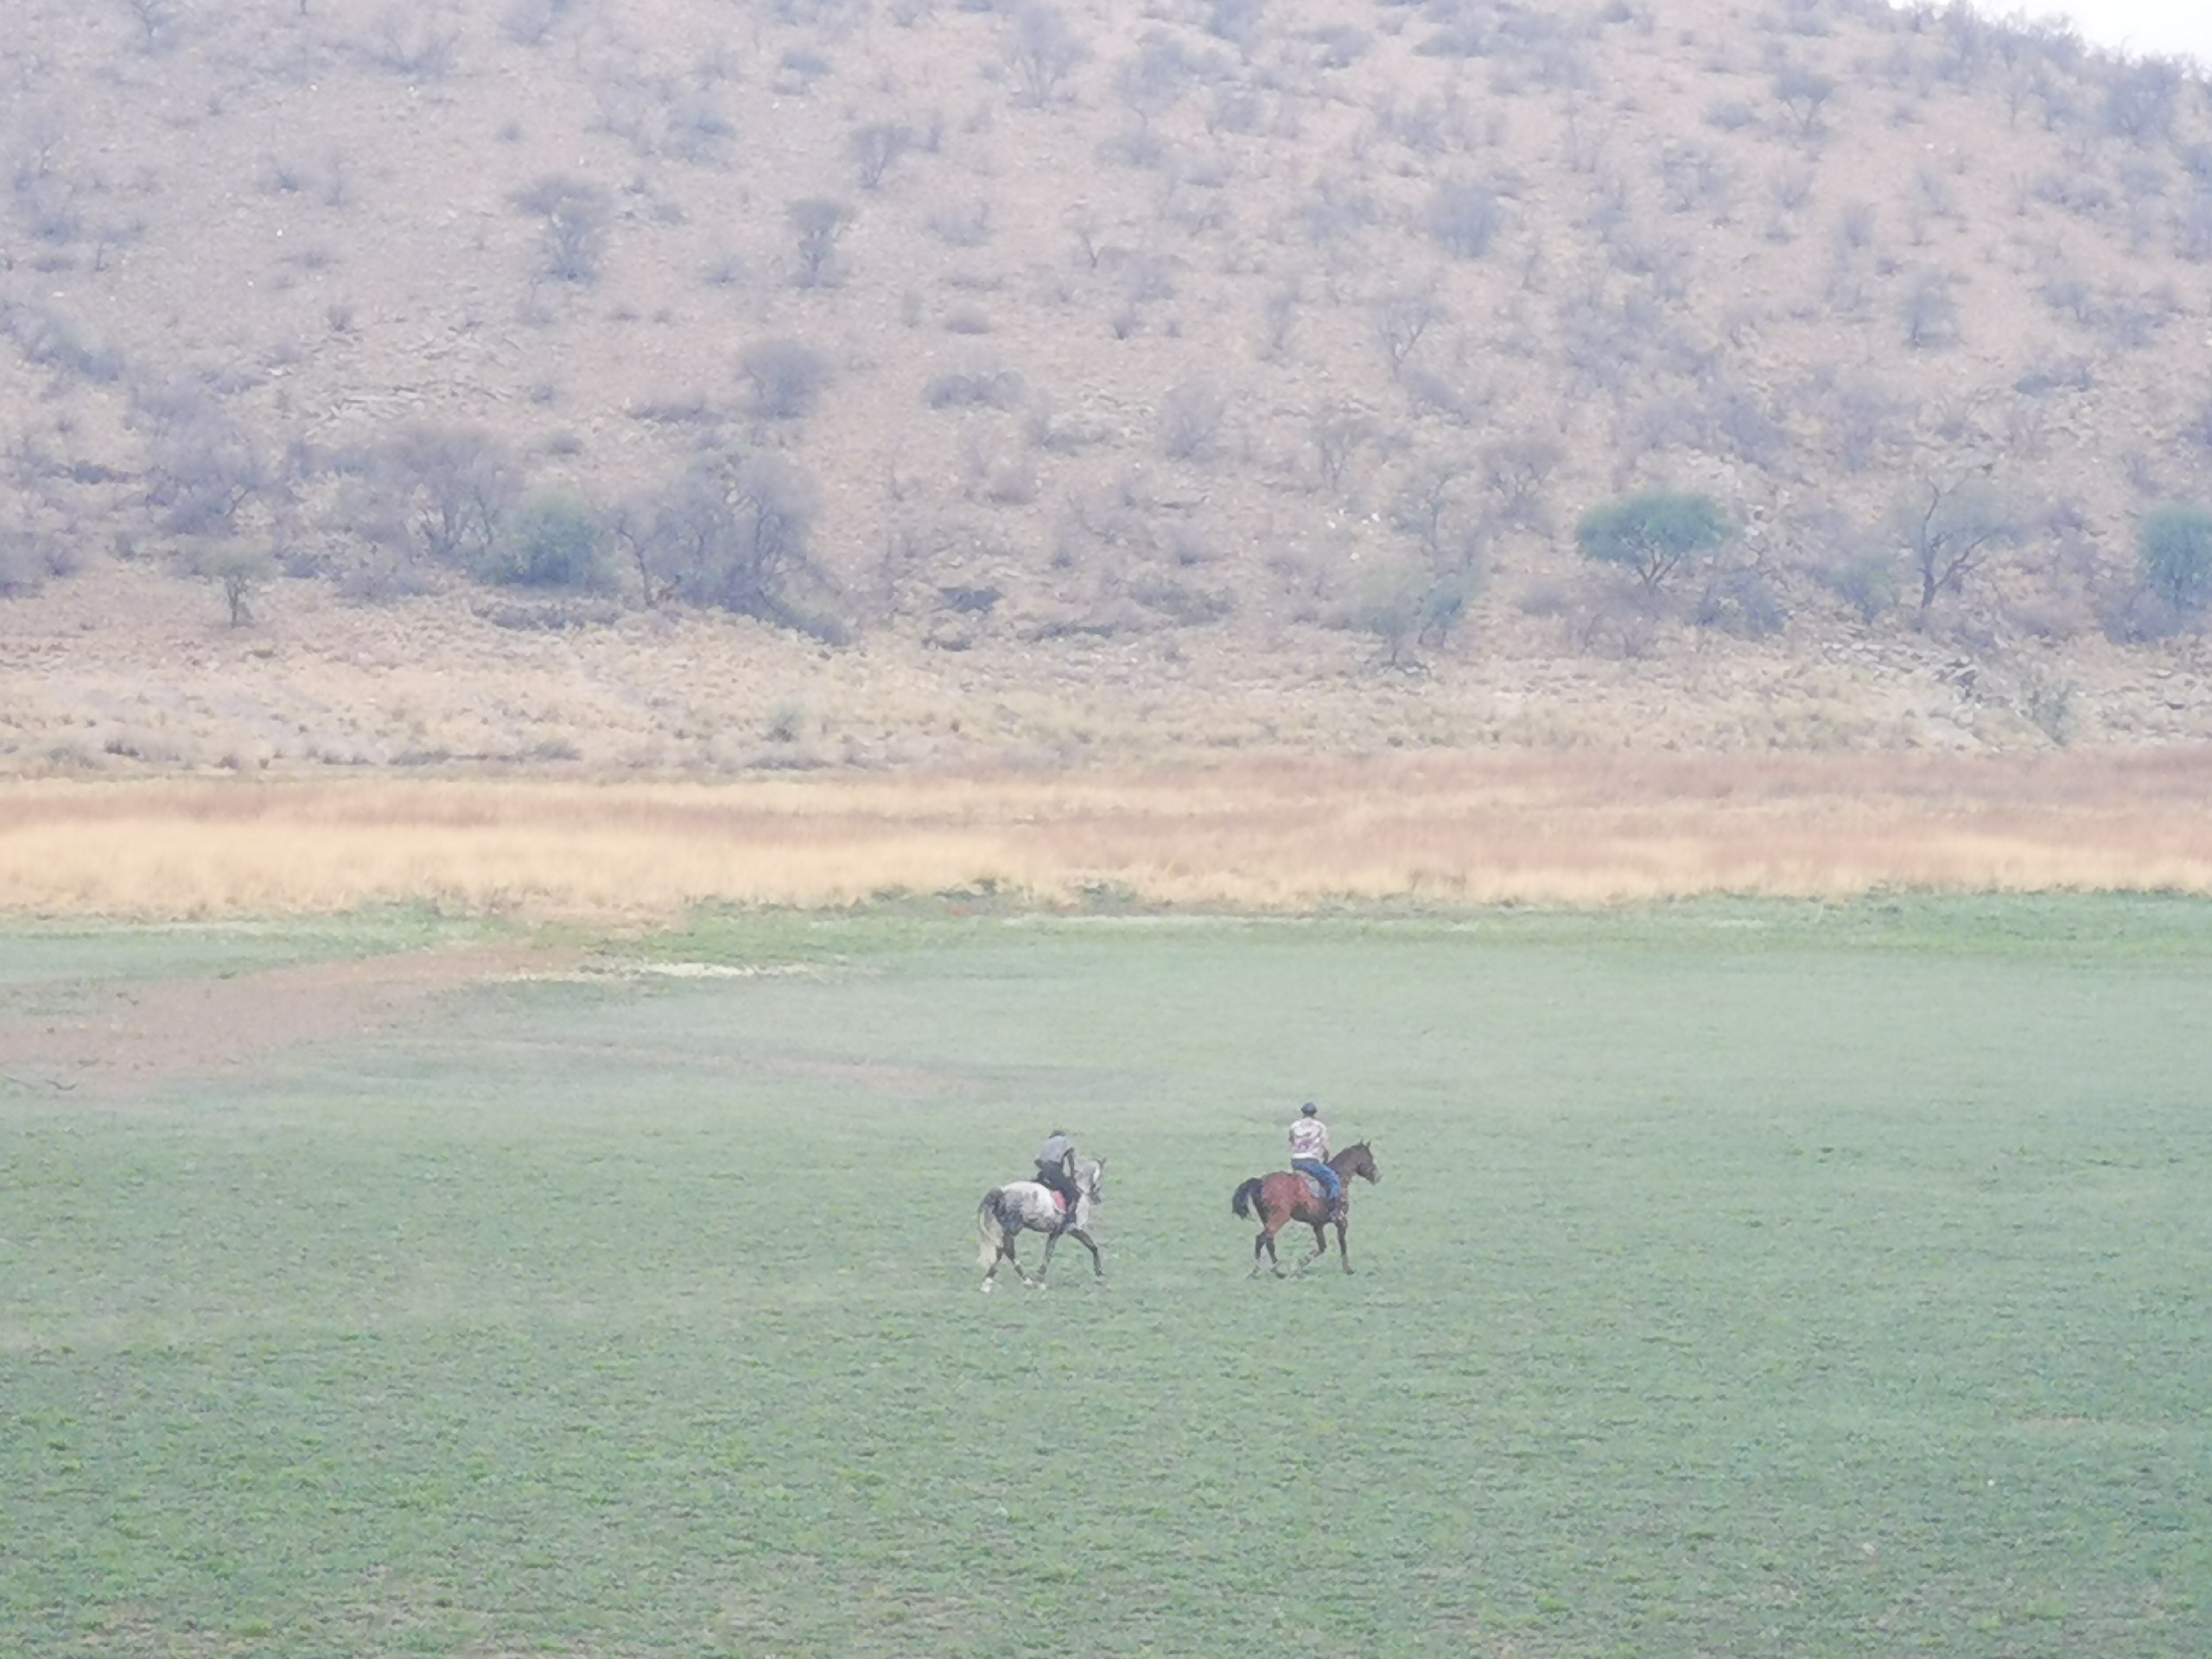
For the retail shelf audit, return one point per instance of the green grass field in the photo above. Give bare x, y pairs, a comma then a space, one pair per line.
1746, 1279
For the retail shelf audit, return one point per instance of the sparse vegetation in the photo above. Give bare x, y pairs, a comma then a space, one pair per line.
1036, 301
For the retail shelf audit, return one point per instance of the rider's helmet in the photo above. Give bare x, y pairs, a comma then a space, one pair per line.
1309, 1109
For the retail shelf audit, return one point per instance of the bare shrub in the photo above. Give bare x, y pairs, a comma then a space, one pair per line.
1865, 578
160, 23
1278, 320
1180, 601
1337, 432
1463, 218
530, 23
817, 223
1743, 601
1515, 472
1336, 211
733, 532
1426, 506
876, 149
413, 41
784, 379
1191, 418
1000, 390
2141, 98
1402, 317
963, 227
451, 488
575, 213
1433, 393
203, 467
1001, 468
1042, 51
1931, 311
50, 341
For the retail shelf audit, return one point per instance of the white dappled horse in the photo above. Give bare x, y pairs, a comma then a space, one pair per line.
1030, 1206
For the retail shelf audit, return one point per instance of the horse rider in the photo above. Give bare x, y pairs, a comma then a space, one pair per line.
1309, 1156
1056, 1169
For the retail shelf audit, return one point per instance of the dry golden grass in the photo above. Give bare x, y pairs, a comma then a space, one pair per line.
1276, 835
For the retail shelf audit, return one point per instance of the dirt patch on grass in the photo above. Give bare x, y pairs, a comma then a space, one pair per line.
122, 1040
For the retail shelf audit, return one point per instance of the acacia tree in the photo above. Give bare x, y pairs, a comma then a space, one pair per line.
1653, 534
1953, 533
1803, 93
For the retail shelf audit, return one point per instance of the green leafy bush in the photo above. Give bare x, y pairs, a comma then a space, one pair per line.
1653, 534
555, 541
2175, 545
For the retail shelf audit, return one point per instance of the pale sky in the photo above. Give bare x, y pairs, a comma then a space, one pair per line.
2165, 28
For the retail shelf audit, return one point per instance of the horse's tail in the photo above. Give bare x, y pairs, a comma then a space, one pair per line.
1245, 1201
988, 1232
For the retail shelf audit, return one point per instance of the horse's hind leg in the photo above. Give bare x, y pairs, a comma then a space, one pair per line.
1321, 1245
1267, 1237
1006, 1254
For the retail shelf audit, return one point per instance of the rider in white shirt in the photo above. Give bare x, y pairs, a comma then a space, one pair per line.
1309, 1156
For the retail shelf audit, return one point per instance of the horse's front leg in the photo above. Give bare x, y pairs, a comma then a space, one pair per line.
1045, 1269
1097, 1264
1342, 1248
1321, 1244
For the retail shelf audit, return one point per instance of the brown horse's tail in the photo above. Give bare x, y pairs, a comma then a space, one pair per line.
1245, 1201
988, 1229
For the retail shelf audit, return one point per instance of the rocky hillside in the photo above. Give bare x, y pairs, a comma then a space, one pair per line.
703, 384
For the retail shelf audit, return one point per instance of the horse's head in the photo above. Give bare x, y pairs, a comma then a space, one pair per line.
1357, 1158
1090, 1178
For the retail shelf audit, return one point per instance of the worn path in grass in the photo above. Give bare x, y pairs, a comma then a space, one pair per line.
1745, 1279
110, 1039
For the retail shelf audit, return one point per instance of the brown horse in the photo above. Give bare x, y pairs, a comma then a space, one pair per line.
1275, 1201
